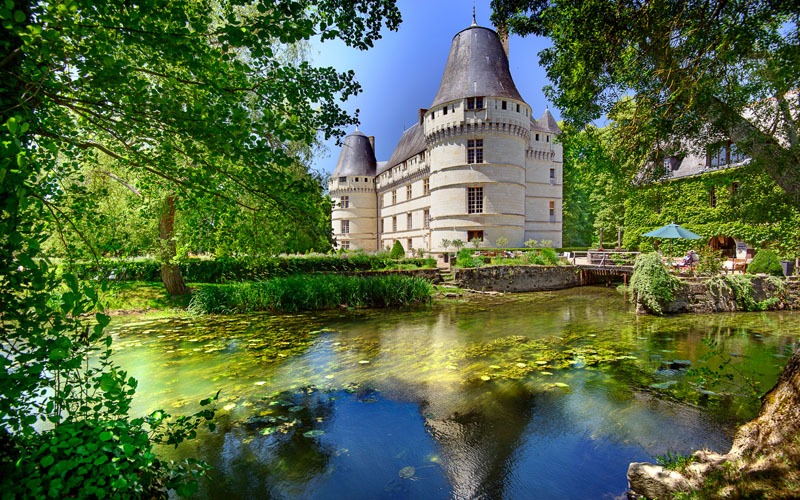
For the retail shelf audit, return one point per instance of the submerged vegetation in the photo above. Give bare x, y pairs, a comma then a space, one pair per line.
311, 292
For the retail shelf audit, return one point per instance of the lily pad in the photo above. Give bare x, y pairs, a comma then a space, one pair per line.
561, 384
486, 378
407, 472
363, 362
546, 373
295, 409
314, 433
269, 430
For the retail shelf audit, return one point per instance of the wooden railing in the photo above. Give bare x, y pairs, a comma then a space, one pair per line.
603, 258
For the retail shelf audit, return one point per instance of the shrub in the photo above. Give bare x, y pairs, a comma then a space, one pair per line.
710, 263
310, 292
651, 283
501, 242
535, 259
457, 244
550, 256
531, 243
476, 242
466, 259
398, 252
765, 262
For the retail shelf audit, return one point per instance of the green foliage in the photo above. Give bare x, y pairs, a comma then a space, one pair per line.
695, 70
765, 262
466, 259
710, 263
186, 97
674, 460
398, 252
476, 242
531, 243
501, 242
757, 212
550, 256
310, 292
457, 244
223, 269
651, 283
742, 287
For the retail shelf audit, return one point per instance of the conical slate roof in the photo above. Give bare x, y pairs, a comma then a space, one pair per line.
477, 66
549, 123
356, 158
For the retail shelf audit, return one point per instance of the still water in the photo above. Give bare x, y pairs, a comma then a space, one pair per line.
530, 396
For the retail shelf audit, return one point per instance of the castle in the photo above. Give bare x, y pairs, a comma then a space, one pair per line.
475, 165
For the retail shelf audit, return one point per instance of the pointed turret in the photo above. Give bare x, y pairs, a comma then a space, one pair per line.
477, 66
357, 157
549, 123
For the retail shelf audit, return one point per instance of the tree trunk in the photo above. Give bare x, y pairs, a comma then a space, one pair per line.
170, 272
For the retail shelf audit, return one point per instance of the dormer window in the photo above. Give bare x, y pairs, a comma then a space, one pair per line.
517, 108
342, 179
537, 137
444, 110
504, 105
474, 103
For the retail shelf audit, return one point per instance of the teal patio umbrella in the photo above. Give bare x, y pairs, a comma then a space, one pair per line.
673, 231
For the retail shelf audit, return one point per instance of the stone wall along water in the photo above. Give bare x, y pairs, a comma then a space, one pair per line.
517, 278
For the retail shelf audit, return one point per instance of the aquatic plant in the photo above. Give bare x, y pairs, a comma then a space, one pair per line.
674, 460
310, 292
652, 285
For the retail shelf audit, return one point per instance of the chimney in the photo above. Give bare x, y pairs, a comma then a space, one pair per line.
372, 142
502, 32
421, 115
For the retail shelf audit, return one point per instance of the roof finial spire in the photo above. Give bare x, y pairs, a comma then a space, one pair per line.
474, 22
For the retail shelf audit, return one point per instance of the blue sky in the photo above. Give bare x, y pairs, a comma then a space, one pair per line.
402, 72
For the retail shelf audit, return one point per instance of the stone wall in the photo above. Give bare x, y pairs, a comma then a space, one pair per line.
701, 297
517, 278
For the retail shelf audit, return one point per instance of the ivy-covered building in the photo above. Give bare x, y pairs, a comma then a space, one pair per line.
719, 195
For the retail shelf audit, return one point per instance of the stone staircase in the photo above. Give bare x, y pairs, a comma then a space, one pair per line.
447, 276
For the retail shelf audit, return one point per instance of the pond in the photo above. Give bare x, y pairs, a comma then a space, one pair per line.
542, 395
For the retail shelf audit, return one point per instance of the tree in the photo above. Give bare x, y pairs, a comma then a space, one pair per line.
185, 94
398, 252
705, 70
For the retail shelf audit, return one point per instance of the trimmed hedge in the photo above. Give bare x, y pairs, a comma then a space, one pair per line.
765, 262
224, 270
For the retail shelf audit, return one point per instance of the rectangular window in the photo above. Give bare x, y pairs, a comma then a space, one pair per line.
342, 179
409, 244
552, 211
394, 223
345, 202
712, 197
475, 151
475, 200
345, 227
552, 176
383, 225
427, 219
517, 108
409, 221
472, 235
408, 192
475, 103
547, 138
444, 110
537, 137
394, 196
504, 105
346, 245
426, 186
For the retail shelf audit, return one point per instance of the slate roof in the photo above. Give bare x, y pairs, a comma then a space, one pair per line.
411, 143
477, 66
356, 158
548, 122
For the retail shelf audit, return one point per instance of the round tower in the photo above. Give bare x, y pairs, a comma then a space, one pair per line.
352, 188
477, 131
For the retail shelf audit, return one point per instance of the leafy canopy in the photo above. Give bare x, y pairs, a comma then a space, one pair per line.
702, 70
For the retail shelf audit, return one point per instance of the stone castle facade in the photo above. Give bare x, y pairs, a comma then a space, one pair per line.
475, 165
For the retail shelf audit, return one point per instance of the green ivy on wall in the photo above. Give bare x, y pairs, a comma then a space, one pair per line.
756, 211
